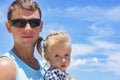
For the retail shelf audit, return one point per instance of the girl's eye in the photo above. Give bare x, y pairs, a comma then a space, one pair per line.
56, 55
66, 55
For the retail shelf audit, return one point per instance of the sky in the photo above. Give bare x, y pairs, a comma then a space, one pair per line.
93, 26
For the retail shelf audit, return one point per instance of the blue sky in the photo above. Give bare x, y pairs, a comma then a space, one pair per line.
93, 26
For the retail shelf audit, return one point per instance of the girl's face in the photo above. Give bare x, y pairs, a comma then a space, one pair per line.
59, 57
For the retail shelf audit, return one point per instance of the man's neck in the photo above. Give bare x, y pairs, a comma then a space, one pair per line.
27, 56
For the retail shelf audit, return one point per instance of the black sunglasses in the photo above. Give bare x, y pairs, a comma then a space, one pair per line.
21, 23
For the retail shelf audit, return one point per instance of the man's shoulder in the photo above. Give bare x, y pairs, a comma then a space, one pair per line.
6, 67
5, 62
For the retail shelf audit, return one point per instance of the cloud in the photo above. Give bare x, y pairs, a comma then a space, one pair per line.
52, 26
86, 64
78, 62
98, 15
106, 45
109, 64
113, 63
101, 37
113, 14
82, 49
101, 30
2, 17
97, 44
87, 13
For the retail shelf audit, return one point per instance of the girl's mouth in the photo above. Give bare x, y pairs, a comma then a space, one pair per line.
63, 66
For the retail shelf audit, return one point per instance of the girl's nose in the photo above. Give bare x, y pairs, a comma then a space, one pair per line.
63, 59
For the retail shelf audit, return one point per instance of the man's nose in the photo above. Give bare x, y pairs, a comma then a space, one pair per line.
28, 27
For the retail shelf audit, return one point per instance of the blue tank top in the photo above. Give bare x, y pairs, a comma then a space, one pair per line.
23, 71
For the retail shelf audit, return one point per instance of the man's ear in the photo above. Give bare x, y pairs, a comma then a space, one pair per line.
8, 26
41, 25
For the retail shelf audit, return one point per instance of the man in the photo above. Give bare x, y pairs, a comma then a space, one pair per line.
25, 24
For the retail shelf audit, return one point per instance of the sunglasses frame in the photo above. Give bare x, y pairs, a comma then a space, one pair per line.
21, 23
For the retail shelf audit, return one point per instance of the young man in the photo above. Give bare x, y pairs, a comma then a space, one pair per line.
25, 24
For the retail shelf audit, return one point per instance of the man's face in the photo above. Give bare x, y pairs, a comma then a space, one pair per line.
27, 35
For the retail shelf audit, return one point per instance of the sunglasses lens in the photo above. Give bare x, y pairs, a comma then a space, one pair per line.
19, 23
34, 22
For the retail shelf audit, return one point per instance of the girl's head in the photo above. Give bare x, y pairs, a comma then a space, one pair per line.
57, 49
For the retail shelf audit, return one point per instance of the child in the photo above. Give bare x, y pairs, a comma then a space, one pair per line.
57, 49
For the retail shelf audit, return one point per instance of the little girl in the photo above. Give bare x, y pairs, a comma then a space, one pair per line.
57, 51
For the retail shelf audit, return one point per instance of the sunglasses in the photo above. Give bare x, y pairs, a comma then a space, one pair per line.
21, 23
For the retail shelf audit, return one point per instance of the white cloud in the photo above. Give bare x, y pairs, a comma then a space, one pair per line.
85, 49
89, 13
95, 60
82, 49
113, 14
51, 26
110, 64
101, 31
106, 48
98, 39
2, 17
85, 64
78, 62
106, 45
113, 63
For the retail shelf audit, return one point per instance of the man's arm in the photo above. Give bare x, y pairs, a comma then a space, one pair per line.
7, 69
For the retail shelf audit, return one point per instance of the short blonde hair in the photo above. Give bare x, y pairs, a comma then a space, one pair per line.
55, 38
23, 4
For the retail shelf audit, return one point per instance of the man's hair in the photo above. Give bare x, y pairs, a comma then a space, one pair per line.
23, 4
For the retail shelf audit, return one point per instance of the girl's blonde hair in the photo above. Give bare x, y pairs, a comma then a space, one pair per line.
55, 38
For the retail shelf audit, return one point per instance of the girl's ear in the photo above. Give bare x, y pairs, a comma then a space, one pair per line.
8, 26
46, 57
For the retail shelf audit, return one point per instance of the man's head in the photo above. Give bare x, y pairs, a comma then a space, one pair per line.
24, 21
